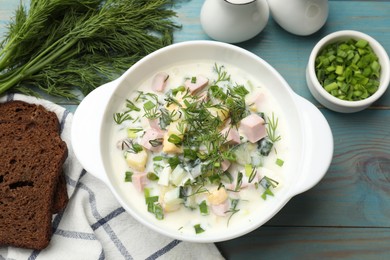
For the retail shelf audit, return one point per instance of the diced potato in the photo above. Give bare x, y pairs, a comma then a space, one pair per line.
137, 161
174, 127
221, 113
172, 107
218, 196
253, 108
169, 147
179, 99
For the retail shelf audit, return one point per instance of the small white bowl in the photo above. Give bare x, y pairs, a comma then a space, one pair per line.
334, 103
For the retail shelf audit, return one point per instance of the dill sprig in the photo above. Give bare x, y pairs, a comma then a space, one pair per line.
272, 125
62, 47
222, 74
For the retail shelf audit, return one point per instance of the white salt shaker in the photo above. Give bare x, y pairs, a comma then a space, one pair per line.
234, 21
300, 17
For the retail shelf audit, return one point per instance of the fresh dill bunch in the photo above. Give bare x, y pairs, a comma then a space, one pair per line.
59, 46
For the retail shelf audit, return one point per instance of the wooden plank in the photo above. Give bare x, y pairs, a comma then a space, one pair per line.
355, 191
309, 243
347, 214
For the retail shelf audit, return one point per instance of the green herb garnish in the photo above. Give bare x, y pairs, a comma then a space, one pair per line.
203, 208
272, 125
152, 176
279, 162
267, 183
222, 74
233, 209
128, 176
62, 47
198, 229
119, 118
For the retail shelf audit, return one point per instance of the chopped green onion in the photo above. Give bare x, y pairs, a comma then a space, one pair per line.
203, 208
267, 183
128, 176
149, 105
361, 43
266, 193
193, 80
152, 176
175, 139
198, 229
151, 199
177, 90
158, 158
248, 169
173, 162
348, 75
279, 162
146, 192
136, 148
132, 132
156, 209
153, 205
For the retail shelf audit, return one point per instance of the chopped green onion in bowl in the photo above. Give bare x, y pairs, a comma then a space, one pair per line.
348, 69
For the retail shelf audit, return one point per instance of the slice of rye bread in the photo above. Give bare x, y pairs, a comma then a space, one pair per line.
23, 112
31, 162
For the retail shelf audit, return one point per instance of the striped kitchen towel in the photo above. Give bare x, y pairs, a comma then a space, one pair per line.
94, 225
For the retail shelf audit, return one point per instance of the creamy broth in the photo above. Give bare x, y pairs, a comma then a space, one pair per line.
182, 219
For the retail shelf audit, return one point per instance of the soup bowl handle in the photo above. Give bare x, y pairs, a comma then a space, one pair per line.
86, 126
318, 146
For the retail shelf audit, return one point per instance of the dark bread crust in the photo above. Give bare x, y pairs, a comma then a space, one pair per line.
23, 112
31, 160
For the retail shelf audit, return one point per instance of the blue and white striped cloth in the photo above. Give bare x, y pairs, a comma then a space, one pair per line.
94, 225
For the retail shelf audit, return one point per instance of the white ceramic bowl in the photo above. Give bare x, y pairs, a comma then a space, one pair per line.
311, 138
335, 103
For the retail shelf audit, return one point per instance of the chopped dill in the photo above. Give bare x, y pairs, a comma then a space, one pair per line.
222, 74
233, 209
272, 125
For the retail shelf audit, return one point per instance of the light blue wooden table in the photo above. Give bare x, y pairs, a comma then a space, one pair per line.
347, 215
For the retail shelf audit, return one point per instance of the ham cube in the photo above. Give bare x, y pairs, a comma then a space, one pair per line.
253, 127
159, 81
196, 84
153, 123
232, 135
139, 180
255, 101
225, 165
152, 139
